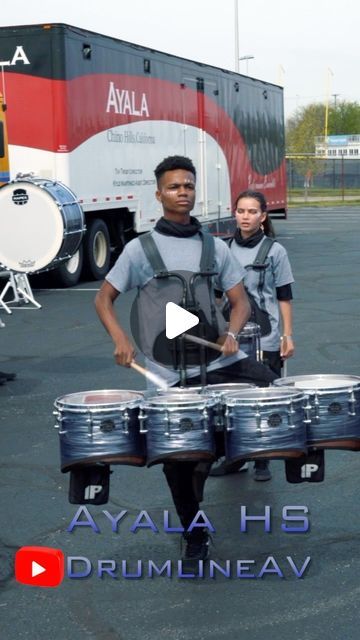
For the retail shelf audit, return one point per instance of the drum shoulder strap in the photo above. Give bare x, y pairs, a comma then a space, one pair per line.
259, 265
261, 255
153, 254
207, 261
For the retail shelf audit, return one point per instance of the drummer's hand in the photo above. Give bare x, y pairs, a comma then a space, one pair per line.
124, 352
229, 345
287, 347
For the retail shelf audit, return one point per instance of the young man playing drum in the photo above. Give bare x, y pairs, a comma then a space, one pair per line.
179, 269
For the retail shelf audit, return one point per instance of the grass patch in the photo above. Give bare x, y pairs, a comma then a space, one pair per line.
324, 203
331, 193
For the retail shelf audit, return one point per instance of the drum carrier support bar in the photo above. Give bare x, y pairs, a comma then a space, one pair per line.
207, 262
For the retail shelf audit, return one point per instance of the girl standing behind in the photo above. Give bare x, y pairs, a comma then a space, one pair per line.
271, 289
275, 296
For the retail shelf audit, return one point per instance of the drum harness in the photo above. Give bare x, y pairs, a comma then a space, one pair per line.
184, 354
259, 314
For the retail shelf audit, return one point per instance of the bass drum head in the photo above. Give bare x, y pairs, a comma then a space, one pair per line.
31, 227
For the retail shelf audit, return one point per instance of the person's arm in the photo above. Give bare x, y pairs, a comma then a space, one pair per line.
239, 315
124, 351
287, 346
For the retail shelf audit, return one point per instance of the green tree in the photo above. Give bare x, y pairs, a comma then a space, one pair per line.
344, 118
309, 122
301, 130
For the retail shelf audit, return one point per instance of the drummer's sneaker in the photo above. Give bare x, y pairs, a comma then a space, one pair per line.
222, 468
262, 471
197, 548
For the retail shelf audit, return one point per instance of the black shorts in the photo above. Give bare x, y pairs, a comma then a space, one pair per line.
245, 370
274, 361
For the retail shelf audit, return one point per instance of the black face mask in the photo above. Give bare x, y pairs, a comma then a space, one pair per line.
168, 228
248, 242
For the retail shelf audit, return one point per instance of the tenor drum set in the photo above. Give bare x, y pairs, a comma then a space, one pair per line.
278, 422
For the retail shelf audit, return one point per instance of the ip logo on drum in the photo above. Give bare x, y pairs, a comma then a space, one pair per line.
308, 469
91, 490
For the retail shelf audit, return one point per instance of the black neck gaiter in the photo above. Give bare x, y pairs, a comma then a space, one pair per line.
248, 242
169, 228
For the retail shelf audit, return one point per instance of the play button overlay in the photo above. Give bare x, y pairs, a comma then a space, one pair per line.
39, 566
178, 320
36, 569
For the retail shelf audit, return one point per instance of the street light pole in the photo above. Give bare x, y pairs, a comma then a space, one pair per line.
237, 57
329, 74
247, 58
236, 23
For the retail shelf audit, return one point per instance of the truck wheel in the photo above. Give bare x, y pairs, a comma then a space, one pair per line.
68, 274
97, 250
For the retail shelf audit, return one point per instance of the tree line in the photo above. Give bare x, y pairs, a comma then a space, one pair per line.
308, 122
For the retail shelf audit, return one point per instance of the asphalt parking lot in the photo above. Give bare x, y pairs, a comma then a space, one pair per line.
62, 348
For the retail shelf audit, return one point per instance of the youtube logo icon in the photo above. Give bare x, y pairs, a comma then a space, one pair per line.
39, 566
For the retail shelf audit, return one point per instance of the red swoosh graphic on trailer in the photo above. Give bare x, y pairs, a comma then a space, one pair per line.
58, 116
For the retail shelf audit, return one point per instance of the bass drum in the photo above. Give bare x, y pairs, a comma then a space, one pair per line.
41, 225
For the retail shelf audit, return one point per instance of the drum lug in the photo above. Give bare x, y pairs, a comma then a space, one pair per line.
168, 423
218, 417
228, 415
307, 411
316, 417
90, 426
126, 421
290, 415
58, 417
142, 417
352, 411
204, 420
258, 419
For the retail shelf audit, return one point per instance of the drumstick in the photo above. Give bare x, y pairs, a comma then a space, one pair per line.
157, 380
202, 341
284, 368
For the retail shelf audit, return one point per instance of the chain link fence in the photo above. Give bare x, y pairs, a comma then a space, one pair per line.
310, 178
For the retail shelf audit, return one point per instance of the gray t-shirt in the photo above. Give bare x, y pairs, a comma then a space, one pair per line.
133, 270
278, 273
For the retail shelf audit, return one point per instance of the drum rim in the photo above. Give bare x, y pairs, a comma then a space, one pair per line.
187, 391
290, 381
264, 396
220, 387
176, 402
86, 407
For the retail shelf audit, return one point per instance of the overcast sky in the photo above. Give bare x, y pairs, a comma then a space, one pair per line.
310, 47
